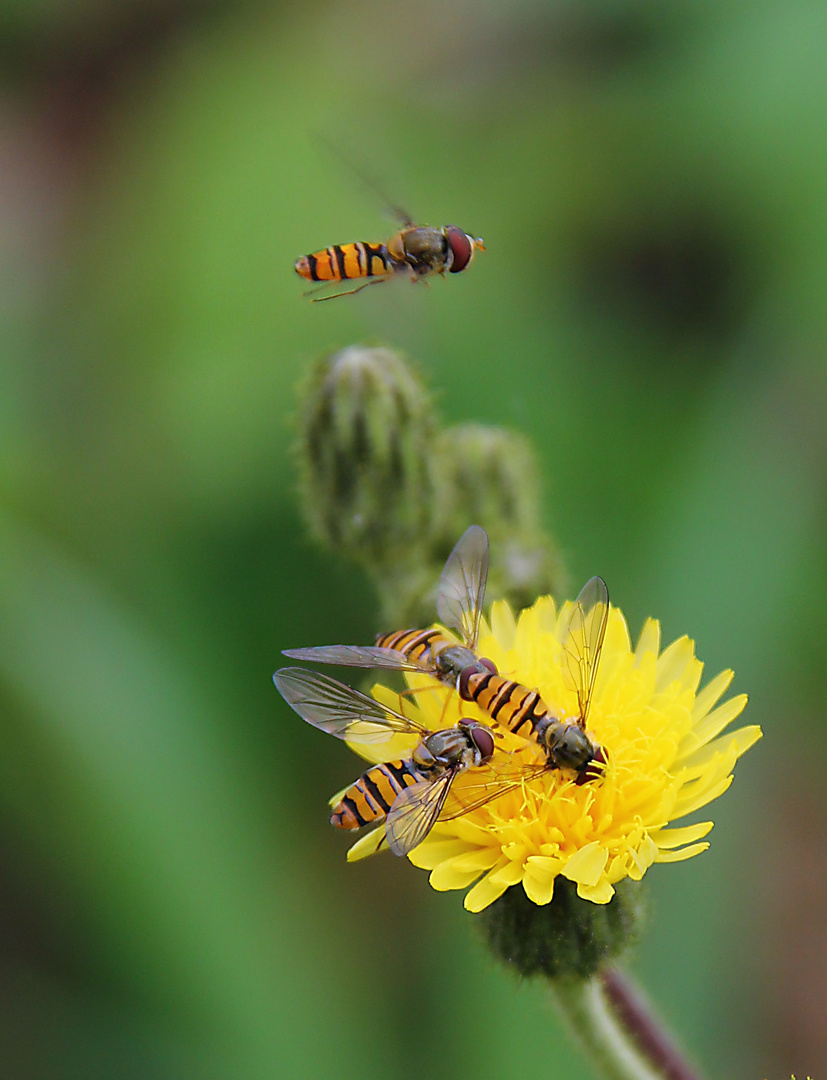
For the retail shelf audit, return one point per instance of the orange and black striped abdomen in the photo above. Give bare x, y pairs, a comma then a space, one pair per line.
415, 645
345, 261
509, 703
374, 793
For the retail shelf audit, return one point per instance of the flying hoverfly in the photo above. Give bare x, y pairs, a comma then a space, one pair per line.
461, 593
411, 793
415, 250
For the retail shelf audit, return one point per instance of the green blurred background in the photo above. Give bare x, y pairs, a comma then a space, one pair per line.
650, 183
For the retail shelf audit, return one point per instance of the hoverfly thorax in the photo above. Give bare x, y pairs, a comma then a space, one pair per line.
426, 250
567, 745
467, 745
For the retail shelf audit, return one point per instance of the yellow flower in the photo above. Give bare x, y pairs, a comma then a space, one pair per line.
666, 759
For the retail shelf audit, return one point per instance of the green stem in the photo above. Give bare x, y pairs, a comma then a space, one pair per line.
618, 1031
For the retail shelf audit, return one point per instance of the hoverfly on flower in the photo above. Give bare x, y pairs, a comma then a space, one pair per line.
461, 594
409, 794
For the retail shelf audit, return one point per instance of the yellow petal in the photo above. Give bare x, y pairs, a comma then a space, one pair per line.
683, 853
710, 694
641, 858
647, 852
446, 876
482, 859
617, 634
546, 614
649, 640
672, 838
586, 865
544, 864
713, 724
699, 795
539, 888
746, 737
674, 661
709, 766
598, 894
510, 874
430, 853
485, 892
503, 626
367, 845
731, 745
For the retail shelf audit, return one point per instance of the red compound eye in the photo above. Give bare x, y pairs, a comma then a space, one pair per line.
486, 663
461, 247
483, 740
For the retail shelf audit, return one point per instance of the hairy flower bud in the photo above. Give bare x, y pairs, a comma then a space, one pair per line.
489, 475
366, 454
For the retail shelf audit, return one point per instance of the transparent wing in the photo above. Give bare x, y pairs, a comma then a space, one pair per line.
583, 641
339, 709
487, 782
364, 177
415, 811
462, 585
363, 656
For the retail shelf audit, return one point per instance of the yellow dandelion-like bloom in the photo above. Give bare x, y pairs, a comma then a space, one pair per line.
667, 758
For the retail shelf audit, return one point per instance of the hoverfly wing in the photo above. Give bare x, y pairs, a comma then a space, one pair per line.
368, 180
415, 812
583, 641
487, 782
462, 585
362, 656
340, 710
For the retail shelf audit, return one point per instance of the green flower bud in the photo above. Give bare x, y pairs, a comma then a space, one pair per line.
366, 458
567, 938
488, 475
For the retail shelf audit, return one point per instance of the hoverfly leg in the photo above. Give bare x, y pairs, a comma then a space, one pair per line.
347, 292
445, 705
420, 690
433, 690
318, 289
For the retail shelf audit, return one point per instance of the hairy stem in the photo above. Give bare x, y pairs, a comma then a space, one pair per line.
618, 1031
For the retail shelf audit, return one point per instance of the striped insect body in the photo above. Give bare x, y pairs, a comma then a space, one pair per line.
408, 794
415, 251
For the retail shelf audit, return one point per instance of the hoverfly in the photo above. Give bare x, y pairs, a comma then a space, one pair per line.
409, 793
415, 250
461, 593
